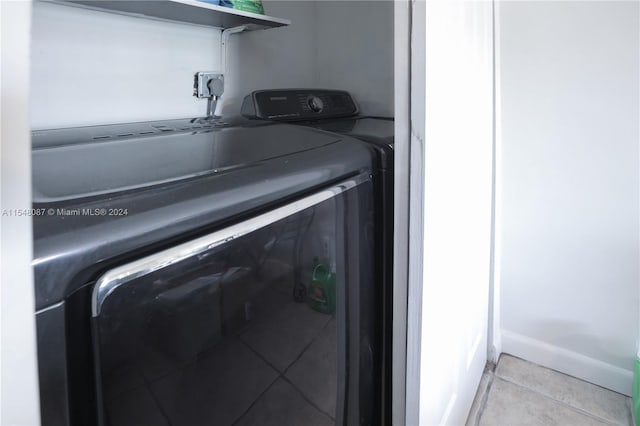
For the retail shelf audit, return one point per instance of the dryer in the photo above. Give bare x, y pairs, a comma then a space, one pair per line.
198, 273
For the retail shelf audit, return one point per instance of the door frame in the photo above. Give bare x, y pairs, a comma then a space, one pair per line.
409, 78
404, 379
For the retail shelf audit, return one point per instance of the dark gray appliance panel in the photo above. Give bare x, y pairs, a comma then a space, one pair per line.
268, 321
298, 104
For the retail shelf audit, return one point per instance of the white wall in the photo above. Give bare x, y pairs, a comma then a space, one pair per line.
450, 216
276, 58
331, 44
91, 67
569, 186
18, 371
355, 52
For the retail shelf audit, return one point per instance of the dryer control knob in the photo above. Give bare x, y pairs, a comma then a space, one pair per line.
315, 103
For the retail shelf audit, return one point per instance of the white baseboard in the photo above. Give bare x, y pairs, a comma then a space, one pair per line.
568, 362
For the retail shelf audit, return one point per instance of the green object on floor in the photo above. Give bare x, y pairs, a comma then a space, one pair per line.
636, 389
322, 291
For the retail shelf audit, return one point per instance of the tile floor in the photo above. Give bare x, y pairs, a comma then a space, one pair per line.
518, 392
280, 370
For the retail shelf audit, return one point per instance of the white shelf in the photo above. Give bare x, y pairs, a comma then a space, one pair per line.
186, 11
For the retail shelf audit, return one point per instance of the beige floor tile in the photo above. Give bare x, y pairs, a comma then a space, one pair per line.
600, 402
512, 405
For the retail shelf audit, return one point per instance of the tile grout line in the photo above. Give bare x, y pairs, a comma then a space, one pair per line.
308, 400
571, 407
282, 374
156, 400
485, 398
279, 375
304, 351
241, 416
259, 355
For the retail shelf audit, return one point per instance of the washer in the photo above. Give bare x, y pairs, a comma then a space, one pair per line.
194, 272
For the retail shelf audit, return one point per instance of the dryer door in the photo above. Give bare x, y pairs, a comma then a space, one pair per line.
271, 321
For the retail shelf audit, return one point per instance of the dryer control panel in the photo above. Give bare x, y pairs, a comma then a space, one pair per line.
298, 104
